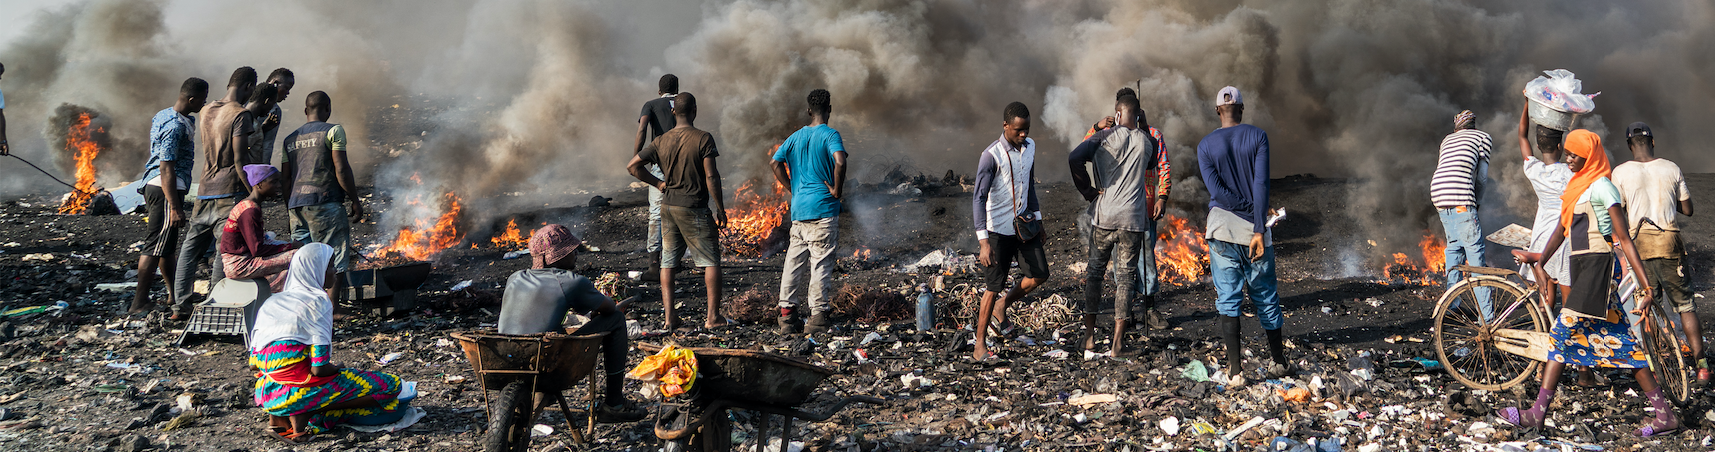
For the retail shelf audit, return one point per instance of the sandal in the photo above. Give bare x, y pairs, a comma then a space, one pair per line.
1650, 430
290, 437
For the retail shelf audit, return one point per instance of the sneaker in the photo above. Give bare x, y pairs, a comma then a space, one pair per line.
818, 323
619, 414
1278, 370
1154, 319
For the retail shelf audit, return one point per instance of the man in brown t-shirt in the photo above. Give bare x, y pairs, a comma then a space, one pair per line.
224, 130
692, 186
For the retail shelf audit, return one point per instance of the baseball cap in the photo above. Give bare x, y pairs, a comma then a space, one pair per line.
1229, 96
550, 244
1638, 129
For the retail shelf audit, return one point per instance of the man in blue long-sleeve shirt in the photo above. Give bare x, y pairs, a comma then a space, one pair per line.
1233, 161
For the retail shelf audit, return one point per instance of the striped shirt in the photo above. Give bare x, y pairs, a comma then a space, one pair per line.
1462, 167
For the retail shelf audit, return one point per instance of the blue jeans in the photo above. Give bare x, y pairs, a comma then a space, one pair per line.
1236, 275
654, 245
1147, 285
1465, 247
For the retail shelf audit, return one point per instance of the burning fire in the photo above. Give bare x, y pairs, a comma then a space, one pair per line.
1431, 269
426, 241
511, 238
1181, 253
752, 219
862, 254
78, 140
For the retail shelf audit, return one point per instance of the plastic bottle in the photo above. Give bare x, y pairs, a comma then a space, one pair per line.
925, 309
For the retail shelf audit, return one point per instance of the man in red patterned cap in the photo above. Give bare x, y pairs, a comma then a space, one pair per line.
538, 299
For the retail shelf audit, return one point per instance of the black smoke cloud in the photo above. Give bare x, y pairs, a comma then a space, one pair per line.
545, 98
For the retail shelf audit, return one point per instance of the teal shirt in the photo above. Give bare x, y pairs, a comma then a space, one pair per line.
1601, 195
809, 158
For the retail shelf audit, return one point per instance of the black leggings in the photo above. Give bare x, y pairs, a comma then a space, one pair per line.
613, 349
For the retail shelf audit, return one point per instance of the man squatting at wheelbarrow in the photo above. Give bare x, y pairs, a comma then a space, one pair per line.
1590, 329
537, 300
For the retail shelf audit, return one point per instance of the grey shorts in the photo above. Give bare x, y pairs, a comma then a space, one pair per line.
693, 228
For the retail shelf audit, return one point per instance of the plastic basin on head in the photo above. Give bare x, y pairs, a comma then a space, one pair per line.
1549, 117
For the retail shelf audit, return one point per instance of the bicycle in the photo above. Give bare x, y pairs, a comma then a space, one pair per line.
1512, 345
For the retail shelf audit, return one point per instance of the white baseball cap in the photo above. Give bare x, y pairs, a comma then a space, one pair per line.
1229, 96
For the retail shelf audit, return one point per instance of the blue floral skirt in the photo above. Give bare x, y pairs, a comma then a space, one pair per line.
1591, 342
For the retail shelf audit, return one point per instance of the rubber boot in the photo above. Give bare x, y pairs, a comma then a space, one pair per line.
1277, 352
1235, 355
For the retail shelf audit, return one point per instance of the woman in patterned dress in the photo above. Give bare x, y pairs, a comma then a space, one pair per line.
1590, 329
298, 385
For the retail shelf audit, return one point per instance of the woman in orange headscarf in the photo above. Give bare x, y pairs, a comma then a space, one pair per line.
1591, 329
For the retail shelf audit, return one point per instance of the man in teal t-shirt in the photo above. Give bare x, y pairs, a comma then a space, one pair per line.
812, 165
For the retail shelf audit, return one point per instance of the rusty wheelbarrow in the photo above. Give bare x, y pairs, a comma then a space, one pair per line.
530, 371
765, 383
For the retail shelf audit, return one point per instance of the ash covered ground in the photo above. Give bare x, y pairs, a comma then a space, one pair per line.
89, 379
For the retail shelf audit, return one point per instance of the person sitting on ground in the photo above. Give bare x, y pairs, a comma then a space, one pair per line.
299, 386
691, 211
1008, 219
1590, 329
1656, 194
1120, 215
245, 250
538, 299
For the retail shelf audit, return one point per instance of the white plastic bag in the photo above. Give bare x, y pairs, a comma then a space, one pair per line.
1561, 91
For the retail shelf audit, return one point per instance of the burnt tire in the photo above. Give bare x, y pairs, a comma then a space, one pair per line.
509, 422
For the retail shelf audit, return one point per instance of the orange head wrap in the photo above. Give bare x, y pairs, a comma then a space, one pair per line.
1587, 145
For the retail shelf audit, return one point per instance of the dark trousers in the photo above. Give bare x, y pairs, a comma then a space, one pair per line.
613, 348
202, 233
1119, 247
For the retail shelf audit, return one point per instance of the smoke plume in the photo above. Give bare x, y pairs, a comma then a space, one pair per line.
523, 103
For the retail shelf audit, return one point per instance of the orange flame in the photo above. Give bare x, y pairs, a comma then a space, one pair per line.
862, 254
424, 242
752, 218
511, 238
1181, 253
78, 140
1429, 269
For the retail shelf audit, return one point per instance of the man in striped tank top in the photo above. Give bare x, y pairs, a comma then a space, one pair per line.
1457, 189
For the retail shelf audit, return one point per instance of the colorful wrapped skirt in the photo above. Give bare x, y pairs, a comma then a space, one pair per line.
284, 388
1591, 342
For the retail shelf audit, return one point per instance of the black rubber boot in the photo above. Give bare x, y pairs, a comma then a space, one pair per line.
1277, 352
1235, 353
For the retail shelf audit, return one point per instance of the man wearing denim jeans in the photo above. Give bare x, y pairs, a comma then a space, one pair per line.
1456, 189
656, 119
1233, 161
224, 129
321, 183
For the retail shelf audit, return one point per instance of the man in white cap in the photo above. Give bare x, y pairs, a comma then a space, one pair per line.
1233, 161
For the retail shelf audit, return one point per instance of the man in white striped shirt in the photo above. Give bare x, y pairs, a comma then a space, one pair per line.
1457, 189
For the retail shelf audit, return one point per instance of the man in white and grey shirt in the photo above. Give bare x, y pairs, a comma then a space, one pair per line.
1004, 201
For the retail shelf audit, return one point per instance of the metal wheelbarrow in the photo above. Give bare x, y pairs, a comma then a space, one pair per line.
530, 371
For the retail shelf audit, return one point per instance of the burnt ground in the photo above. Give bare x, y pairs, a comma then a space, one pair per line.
88, 379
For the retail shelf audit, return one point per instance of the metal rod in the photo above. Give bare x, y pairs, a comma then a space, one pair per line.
45, 172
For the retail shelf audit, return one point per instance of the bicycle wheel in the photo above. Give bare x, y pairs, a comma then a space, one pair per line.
1466, 343
1662, 343
509, 429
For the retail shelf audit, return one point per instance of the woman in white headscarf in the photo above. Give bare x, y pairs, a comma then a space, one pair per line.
298, 385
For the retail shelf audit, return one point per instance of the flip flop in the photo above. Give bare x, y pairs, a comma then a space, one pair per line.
289, 437
1003, 328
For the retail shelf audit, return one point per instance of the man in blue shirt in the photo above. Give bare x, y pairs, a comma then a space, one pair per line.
172, 153
811, 164
1233, 161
